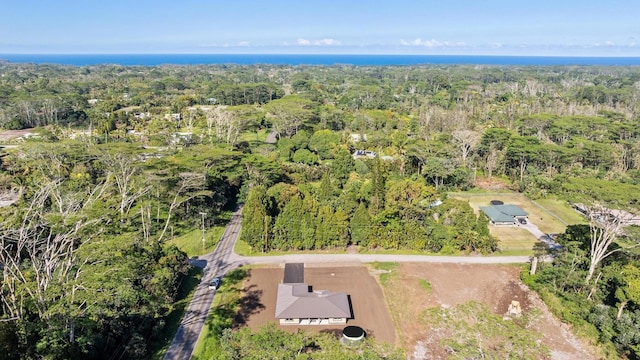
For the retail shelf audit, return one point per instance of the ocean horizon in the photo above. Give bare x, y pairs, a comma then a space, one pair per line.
313, 59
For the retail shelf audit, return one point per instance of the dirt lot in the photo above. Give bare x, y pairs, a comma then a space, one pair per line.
493, 285
369, 309
7, 135
406, 297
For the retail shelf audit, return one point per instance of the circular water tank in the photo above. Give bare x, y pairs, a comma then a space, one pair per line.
496, 202
353, 334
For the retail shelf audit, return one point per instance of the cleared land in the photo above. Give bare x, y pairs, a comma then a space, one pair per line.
451, 285
369, 309
550, 216
397, 314
548, 220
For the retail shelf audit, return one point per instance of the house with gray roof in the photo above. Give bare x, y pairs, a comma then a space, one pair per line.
504, 214
298, 304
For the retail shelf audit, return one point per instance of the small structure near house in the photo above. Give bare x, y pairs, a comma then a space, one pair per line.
504, 214
496, 202
352, 335
298, 304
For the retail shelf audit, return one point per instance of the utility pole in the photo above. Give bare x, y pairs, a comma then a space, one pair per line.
203, 237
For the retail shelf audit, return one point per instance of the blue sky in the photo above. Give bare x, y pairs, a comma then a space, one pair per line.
487, 27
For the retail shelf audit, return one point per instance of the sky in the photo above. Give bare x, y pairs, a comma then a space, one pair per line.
462, 27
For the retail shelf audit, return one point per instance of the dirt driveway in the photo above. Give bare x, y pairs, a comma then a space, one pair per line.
369, 309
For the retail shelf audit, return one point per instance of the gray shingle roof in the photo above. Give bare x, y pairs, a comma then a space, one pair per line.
296, 302
503, 213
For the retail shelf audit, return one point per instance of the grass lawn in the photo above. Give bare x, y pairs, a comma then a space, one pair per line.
549, 215
548, 220
513, 240
191, 242
562, 210
172, 321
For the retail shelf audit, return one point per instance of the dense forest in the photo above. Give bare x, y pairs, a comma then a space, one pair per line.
124, 157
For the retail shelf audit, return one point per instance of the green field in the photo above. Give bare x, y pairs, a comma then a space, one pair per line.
191, 242
550, 215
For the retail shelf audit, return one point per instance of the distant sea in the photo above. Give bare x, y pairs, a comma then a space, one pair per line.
306, 59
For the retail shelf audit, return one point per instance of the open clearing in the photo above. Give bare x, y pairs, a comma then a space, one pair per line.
550, 216
545, 219
409, 290
450, 285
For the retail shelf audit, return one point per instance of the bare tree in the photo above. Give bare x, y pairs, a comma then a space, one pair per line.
186, 190
491, 160
227, 126
466, 140
40, 250
605, 226
121, 167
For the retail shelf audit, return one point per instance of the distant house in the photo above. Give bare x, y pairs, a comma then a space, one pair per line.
142, 115
298, 304
504, 214
356, 138
173, 116
358, 154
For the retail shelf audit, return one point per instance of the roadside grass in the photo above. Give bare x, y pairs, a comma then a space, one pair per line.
243, 249
385, 270
425, 285
191, 242
223, 310
513, 240
172, 321
398, 252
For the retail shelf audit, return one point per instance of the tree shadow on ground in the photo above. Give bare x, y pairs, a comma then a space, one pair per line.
249, 305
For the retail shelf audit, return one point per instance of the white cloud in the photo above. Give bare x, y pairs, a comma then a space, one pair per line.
327, 42
496, 45
432, 43
244, 43
322, 42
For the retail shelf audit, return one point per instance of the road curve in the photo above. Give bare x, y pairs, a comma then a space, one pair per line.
224, 259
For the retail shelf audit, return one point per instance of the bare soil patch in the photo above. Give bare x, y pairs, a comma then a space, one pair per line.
452, 284
367, 299
7, 135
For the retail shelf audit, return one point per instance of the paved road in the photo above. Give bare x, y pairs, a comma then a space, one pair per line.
368, 258
223, 259
214, 264
272, 137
